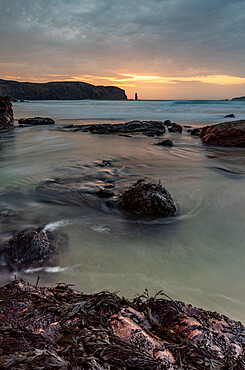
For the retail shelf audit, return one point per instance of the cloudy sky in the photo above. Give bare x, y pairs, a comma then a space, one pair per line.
183, 49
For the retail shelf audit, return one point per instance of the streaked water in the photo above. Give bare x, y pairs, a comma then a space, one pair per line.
197, 257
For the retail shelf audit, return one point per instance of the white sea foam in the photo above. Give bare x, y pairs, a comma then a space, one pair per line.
55, 225
49, 269
101, 229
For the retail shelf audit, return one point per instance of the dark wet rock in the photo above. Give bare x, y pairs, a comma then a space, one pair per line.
230, 116
145, 198
167, 122
133, 127
105, 193
125, 135
30, 247
226, 134
6, 112
104, 163
66, 329
166, 142
175, 127
36, 121
196, 131
187, 126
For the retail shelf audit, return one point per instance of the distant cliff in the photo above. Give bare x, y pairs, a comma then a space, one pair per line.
242, 98
59, 91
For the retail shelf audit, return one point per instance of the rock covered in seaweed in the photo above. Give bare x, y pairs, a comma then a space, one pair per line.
30, 247
62, 328
226, 134
6, 112
145, 198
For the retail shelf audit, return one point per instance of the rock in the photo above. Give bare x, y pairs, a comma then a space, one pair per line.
105, 193
29, 247
175, 127
187, 126
195, 131
167, 122
230, 116
145, 198
61, 328
6, 112
149, 128
36, 121
226, 134
165, 143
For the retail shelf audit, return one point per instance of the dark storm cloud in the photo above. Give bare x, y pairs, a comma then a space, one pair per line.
170, 37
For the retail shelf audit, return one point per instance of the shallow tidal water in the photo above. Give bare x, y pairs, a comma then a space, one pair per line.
197, 257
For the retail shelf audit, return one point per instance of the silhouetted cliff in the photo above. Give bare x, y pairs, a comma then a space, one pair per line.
59, 91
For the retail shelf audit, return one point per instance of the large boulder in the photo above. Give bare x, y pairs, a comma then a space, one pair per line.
36, 121
6, 112
31, 247
226, 134
145, 198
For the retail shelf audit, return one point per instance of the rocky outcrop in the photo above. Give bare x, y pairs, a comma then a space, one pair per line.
145, 199
149, 128
6, 112
59, 91
31, 247
36, 121
226, 134
66, 329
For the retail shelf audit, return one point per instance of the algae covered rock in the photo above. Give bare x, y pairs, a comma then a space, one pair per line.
226, 134
146, 199
29, 247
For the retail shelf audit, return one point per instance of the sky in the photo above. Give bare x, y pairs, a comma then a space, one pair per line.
161, 49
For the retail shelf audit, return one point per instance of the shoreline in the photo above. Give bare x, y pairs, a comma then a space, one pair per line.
63, 327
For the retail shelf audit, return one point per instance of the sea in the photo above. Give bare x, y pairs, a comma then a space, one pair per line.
49, 175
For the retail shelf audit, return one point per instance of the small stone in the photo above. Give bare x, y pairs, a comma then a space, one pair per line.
165, 143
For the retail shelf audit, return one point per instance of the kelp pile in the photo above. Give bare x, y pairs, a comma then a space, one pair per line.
66, 329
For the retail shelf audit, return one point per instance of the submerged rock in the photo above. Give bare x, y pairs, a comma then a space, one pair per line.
30, 247
145, 127
105, 193
145, 198
166, 142
6, 112
226, 134
36, 121
63, 328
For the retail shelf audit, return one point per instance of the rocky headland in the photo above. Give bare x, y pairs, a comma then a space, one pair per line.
66, 329
63, 90
6, 112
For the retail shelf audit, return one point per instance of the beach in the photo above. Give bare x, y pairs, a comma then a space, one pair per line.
196, 257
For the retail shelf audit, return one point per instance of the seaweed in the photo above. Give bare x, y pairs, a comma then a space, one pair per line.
66, 329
